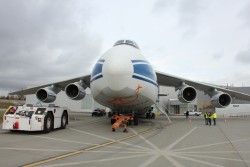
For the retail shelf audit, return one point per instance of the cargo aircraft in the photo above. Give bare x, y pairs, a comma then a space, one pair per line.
124, 81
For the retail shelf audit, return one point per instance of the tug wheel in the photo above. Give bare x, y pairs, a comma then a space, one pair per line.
64, 120
48, 122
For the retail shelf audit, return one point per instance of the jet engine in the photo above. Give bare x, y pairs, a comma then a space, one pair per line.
187, 94
75, 91
221, 100
46, 95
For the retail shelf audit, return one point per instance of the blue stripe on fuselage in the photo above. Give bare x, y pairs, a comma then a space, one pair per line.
144, 71
97, 77
97, 71
144, 79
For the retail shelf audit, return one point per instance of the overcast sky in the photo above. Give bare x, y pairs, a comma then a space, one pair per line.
44, 41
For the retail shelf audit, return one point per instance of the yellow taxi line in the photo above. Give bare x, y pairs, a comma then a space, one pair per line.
88, 149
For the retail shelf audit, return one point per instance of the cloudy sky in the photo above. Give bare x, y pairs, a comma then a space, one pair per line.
44, 41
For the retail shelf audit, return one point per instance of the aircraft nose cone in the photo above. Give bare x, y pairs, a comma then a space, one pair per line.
117, 72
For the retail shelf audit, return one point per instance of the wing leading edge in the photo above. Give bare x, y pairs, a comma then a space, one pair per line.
174, 81
61, 84
162, 78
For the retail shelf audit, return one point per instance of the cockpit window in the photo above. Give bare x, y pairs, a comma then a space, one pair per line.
126, 42
119, 42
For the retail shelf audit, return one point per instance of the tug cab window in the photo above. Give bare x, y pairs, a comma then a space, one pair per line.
11, 110
40, 111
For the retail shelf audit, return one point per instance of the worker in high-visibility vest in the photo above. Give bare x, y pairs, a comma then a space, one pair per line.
209, 118
214, 116
206, 118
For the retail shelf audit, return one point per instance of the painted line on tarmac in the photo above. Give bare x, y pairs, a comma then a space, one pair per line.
50, 150
216, 157
213, 144
143, 138
91, 148
34, 149
111, 140
149, 161
198, 161
94, 161
180, 139
62, 140
77, 142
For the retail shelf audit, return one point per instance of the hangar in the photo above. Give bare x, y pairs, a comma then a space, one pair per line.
169, 103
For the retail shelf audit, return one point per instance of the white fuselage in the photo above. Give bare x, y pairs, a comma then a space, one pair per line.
124, 80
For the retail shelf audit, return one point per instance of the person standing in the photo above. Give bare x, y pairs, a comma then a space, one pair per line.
209, 118
187, 114
214, 116
206, 118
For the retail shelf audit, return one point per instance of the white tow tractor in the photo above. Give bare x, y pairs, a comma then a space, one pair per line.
29, 118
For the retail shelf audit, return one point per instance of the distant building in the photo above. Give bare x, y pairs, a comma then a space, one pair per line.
234, 110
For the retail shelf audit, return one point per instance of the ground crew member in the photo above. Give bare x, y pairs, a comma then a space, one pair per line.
187, 114
209, 118
206, 118
214, 116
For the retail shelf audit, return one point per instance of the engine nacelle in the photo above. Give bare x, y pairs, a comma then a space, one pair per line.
75, 91
187, 94
221, 100
46, 95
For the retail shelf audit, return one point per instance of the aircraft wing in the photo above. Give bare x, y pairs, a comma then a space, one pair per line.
174, 81
61, 84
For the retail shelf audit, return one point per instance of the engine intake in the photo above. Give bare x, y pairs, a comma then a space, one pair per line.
75, 91
46, 95
187, 94
221, 100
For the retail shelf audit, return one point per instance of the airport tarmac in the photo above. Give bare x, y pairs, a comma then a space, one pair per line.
88, 141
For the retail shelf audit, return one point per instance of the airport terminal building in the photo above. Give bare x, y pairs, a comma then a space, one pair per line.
169, 103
